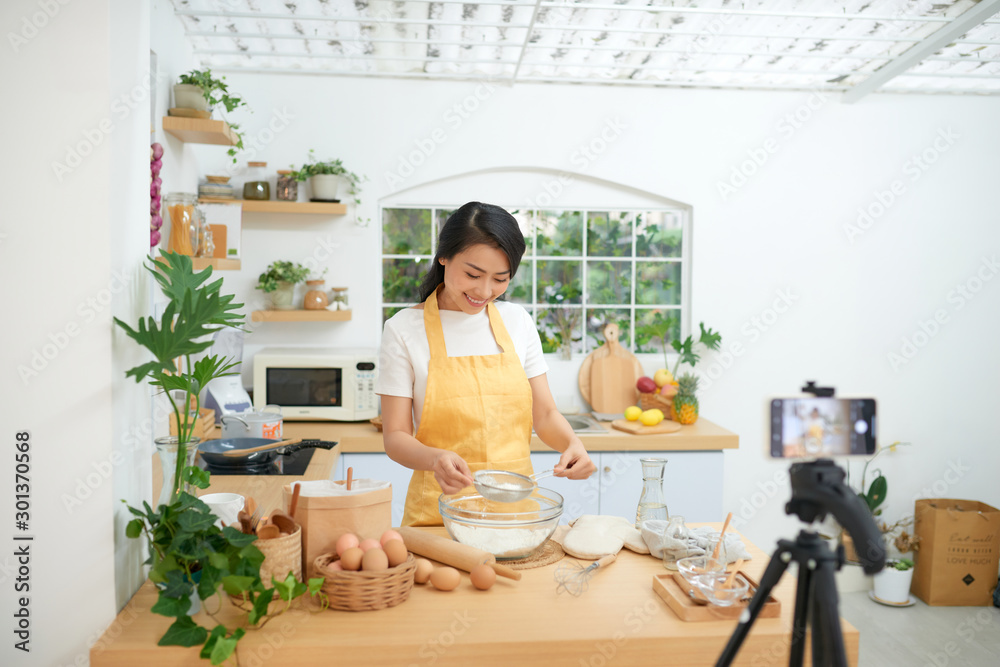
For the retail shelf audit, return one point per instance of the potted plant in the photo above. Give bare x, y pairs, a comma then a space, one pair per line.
191, 557
200, 91
892, 584
279, 282
325, 178
668, 391
873, 495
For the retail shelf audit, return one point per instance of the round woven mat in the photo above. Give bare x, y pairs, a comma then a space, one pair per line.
548, 554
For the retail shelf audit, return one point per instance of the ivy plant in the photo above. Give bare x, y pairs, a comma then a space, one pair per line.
216, 92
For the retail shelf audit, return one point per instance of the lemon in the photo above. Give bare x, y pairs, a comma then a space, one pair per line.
651, 417
632, 412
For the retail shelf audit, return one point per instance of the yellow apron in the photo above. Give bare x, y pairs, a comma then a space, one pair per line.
477, 406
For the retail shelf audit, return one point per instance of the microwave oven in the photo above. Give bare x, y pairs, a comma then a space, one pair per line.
316, 383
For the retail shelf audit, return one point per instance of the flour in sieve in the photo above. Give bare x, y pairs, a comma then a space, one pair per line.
500, 541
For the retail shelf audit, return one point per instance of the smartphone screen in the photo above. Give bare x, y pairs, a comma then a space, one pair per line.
811, 427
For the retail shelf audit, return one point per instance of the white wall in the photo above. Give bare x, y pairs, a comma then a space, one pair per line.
780, 232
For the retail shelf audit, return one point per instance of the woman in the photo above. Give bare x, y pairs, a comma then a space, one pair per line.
466, 372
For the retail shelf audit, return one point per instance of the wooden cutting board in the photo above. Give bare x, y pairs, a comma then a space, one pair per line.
608, 375
637, 428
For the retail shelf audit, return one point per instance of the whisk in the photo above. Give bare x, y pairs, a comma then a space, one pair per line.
574, 578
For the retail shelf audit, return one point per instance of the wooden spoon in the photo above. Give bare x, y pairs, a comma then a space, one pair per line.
284, 522
732, 577
244, 520
268, 532
295, 500
350, 477
722, 536
240, 453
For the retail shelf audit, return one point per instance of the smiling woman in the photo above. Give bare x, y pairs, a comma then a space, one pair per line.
462, 378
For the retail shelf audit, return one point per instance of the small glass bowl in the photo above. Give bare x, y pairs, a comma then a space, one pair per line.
716, 592
693, 567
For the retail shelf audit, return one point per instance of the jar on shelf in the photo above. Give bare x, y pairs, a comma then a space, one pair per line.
315, 298
339, 299
287, 188
187, 228
256, 186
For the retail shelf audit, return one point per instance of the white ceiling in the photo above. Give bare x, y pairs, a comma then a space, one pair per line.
853, 46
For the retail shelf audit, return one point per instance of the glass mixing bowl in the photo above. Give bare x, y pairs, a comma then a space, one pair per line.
506, 530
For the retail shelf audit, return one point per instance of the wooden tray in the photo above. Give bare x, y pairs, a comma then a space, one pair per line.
637, 428
673, 588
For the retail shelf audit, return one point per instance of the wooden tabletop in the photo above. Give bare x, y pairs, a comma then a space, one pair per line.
618, 620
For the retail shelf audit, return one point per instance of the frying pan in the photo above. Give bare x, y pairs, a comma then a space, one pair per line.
212, 451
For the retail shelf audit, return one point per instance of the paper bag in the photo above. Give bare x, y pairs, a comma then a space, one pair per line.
959, 552
324, 518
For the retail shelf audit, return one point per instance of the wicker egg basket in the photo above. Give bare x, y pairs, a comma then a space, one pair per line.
365, 591
282, 556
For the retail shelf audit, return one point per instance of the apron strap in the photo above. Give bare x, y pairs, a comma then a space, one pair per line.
432, 325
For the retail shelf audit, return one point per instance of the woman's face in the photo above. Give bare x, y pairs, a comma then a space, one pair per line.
473, 278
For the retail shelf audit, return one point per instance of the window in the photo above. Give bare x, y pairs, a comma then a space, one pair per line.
581, 270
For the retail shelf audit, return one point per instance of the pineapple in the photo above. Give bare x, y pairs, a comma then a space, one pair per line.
685, 402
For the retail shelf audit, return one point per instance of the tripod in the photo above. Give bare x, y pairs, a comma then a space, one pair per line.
817, 487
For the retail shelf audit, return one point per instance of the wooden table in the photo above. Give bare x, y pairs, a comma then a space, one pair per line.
618, 620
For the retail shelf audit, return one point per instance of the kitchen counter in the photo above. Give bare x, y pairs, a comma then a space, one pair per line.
618, 619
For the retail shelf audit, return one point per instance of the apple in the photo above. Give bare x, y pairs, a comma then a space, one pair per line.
662, 377
646, 385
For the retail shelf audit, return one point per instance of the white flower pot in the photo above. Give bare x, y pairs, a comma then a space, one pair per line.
892, 585
283, 298
325, 186
188, 96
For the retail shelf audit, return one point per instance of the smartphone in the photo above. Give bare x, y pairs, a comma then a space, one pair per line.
810, 427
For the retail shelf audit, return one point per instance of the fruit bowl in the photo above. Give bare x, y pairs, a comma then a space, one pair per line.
506, 530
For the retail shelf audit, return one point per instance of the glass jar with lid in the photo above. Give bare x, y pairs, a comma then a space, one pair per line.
186, 225
339, 300
286, 188
256, 186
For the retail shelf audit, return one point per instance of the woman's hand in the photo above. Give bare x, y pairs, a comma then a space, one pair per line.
575, 463
451, 472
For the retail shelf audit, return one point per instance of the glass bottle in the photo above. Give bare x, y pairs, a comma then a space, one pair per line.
256, 185
651, 502
167, 447
339, 300
186, 226
286, 188
676, 531
207, 248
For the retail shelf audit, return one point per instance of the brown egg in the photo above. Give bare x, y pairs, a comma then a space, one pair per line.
374, 560
351, 559
390, 535
423, 571
345, 542
370, 543
445, 578
396, 551
483, 577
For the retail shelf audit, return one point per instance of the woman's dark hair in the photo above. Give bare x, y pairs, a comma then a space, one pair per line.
474, 224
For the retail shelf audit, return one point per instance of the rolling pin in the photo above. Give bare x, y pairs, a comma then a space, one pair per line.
452, 553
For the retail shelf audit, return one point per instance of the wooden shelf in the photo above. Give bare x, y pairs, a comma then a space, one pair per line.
200, 130
300, 315
275, 206
217, 263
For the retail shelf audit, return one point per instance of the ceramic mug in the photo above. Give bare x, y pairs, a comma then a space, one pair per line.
226, 506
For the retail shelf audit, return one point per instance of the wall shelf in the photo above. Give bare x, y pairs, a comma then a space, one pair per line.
217, 263
300, 315
277, 206
200, 130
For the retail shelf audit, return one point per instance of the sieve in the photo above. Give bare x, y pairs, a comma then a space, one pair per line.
502, 486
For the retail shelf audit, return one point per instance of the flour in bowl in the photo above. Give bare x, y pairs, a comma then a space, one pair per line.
501, 541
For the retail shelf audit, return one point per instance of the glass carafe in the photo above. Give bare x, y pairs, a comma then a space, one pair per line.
675, 537
651, 503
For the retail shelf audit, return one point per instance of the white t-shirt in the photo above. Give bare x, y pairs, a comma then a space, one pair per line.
405, 353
